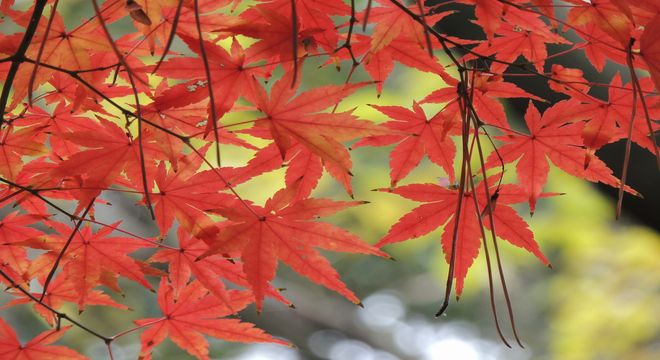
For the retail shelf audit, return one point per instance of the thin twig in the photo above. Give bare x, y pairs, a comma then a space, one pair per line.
51, 273
209, 87
294, 41
59, 315
35, 68
170, 39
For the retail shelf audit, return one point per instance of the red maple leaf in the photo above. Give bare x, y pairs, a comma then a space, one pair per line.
549, 138
485, 90
440, 209
155, 18
597, 50
314, 15
282, 230
60, 291
516, 41
273, 27
65, 49
396, 37
430, 137
38, 348
13, 231
58, 123
92, 258
298, 120
650, 49
16, 143
489, 15
303, 166
604, 14
111, 153
569, 81
185, 194
405, 50
610, 120
231, 77
194, 313
186, 262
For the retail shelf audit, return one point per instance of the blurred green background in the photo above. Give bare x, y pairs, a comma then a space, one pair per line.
601, 300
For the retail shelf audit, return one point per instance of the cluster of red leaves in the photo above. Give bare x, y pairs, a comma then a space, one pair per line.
88, 115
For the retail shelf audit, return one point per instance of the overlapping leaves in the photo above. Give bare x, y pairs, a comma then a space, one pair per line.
95, 124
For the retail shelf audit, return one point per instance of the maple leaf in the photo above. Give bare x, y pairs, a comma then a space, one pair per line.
16, 143
569, 81
515, 41
650, 50
61, 290
273, 28
187, 261
303, 167
609, 120
231, 77
489, 15
598, 51
428, 137
311, 14
282, 230
406, 51
65, 49
194, 313
38, 348
23, 199
92, 258
440, 209
549, 138
396, 37
183, 120
111, 152
186, 194
162, 19
68, 89
61, 121
392, 24
14, 230
602, 13
485, 90
299, 119
151, 17
36, 175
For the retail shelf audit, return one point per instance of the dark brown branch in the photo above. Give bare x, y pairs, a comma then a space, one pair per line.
19, 56
347, 44
427, 37
367, 11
